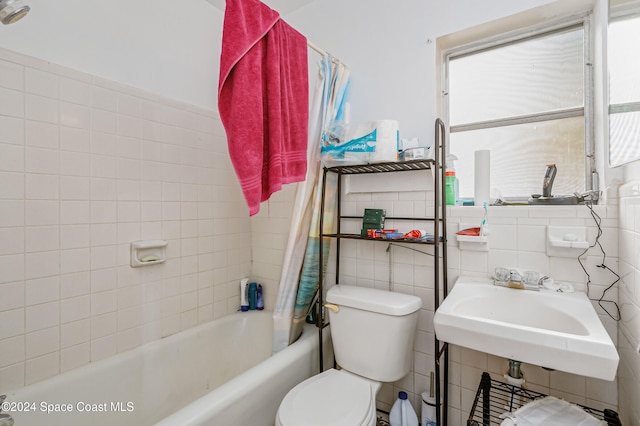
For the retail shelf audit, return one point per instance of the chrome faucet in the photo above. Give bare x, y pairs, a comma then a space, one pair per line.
512, 278
5, 419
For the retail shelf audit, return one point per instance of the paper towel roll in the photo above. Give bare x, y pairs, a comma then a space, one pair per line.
387, 135
481, 183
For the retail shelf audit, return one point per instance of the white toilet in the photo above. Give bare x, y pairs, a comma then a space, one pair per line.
372, 333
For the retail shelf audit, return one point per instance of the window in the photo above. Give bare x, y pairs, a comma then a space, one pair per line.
624, 88
526, 98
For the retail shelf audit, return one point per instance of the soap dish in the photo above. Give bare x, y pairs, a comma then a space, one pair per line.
150, 252
468, 241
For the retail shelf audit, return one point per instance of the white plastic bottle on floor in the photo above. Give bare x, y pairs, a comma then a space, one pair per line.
402, 412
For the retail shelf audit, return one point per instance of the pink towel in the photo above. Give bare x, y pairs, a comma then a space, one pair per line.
263, 97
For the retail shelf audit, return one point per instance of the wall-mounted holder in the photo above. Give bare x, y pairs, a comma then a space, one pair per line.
566, 241
471, 242
150, 252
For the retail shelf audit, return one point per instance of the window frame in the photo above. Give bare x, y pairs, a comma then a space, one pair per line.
582, 20
621, 12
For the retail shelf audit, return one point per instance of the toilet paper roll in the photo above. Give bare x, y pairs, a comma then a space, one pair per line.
387, 137
481, 183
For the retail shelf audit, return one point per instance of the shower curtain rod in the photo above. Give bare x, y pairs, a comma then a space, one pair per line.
322, 52
317, 49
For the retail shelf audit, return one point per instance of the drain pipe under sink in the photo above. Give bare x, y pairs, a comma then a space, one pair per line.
515, 377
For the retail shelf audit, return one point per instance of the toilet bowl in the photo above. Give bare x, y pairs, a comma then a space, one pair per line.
372, 333
332, 398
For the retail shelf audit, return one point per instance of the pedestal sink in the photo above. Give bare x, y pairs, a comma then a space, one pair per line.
560, 331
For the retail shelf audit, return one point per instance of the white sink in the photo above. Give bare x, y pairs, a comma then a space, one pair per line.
560, 331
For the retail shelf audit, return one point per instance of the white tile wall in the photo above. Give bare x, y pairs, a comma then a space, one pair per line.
629, 329
517, 240
269, 241
86, 167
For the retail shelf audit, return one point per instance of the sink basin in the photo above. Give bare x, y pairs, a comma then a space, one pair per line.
559, 331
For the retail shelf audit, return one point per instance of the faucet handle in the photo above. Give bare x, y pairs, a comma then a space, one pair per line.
532, 280
5, 419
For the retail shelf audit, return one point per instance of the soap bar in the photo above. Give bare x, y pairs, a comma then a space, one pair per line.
150, 258
474, 232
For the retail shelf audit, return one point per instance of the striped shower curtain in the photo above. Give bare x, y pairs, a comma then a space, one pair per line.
300, 267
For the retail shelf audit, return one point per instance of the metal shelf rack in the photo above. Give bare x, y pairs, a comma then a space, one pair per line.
439, 243
494, 398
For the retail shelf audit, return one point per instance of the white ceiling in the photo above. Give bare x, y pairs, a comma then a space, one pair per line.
282, 6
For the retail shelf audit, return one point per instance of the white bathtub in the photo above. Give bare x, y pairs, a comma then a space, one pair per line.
220, 373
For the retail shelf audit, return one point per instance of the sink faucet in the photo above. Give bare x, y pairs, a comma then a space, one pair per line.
512, 278
5, 419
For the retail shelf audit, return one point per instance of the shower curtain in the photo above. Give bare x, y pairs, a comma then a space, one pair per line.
299, 276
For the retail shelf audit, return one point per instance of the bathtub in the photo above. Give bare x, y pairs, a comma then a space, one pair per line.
220, 373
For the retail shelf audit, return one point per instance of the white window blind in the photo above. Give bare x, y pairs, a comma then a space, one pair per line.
624, 90
524, 98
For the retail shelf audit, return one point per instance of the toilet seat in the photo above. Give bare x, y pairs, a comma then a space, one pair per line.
331, 398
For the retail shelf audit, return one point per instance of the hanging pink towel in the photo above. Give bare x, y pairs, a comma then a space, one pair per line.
263, 97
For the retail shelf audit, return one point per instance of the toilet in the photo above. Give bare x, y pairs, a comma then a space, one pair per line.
372, 333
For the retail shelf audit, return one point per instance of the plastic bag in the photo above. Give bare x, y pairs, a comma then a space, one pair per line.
372, 142
356, 150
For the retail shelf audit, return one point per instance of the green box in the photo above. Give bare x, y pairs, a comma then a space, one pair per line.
372, 219
374, 215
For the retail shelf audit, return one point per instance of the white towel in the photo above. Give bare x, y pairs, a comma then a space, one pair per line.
550, 411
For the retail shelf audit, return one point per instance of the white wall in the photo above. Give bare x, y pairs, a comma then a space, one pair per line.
161, 46
391, 50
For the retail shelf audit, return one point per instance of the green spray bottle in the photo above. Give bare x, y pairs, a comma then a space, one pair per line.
451, 182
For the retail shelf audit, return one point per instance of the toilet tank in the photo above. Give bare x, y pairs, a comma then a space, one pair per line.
373, 331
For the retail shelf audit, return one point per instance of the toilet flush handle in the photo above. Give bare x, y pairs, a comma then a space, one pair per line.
334, 308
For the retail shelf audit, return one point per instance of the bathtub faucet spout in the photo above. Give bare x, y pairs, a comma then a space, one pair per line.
5, 419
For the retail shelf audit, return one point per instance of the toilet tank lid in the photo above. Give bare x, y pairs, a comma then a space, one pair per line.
374, 300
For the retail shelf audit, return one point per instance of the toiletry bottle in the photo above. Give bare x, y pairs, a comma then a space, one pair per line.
484, 228
244, 303
451, 182
259, 300
253, 296
402, 412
